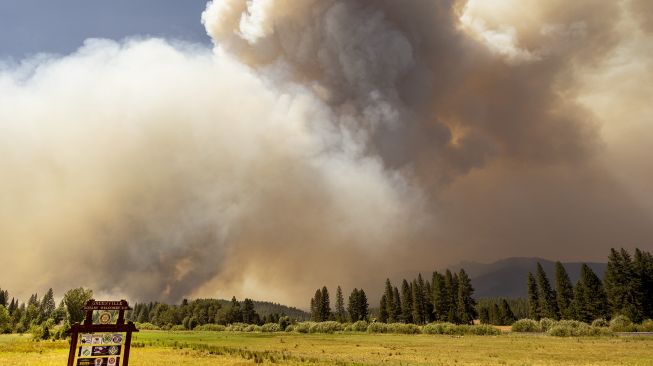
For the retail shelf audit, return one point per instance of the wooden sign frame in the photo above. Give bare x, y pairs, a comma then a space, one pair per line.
88, 327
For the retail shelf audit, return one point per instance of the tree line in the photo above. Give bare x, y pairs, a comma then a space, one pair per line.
447, 298
627, 289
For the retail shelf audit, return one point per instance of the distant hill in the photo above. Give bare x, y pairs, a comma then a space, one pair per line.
264, 308
507, 277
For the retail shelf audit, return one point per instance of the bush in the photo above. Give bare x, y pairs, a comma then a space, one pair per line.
461, 329
210, 328
236, 327
526, 325
377, 328
303, 327
326, 327
401, 328
270, 328
359, 326
146, 326
622, 323
284, 322
547, 323
600, 323
646, 326
560, 331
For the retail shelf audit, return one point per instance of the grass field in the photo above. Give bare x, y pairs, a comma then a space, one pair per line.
226, 348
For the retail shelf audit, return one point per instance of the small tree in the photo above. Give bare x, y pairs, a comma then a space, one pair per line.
406, 302
466, 304
75, 300
546, 296
533, 299
564, 292
353, 306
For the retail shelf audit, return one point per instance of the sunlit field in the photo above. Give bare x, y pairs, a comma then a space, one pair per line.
227, 348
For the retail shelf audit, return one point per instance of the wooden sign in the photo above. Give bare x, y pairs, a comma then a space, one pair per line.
103, 344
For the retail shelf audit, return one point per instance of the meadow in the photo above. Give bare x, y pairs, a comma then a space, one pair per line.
163, 348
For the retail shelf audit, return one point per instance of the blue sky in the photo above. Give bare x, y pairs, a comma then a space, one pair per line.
60, 26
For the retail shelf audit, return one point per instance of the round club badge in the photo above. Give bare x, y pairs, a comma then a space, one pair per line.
105, 318
112, 361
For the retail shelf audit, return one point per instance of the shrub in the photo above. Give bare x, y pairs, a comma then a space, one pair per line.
560, 331
326, 327
177, 328
290, 328
377, 328
401, 328
210, 327
303, 327
646, 326
600, 323
270, 328
236, 327
484, 329
547, 323
146, 326
359, 326
622, 323
526, 325
284, 322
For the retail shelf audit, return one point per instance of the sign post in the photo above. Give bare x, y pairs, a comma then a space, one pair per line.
104, 343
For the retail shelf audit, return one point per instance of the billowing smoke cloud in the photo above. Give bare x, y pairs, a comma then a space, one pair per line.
326, 141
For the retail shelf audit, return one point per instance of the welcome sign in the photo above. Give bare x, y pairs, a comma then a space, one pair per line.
104, 343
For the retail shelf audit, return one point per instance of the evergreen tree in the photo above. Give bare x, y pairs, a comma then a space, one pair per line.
47, 306
389, 301
440, 297
363, 306
590, 301
396, 306
249, 314
643, 263
341, 315
451, 283
316, 306
4, 298
418, 303
545, 295
466, 304
353, 306
495, 314
429, 316
505, 313
13, 305
325, 309
623, 287
383, 311
533, 299
564, 292
406, 302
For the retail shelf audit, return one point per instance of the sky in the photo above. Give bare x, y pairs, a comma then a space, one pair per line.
157, 150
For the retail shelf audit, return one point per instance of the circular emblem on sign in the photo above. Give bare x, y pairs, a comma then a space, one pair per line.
112, 361
98, 361
105, 318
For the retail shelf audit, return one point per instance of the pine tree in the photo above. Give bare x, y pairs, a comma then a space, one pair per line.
389, 301
418, 304
505, 313
564, 292
429, 316
533, 299
249, 314
316, 306
47, 306
440, 297
353, 306
466, 304
4, 297
495, 314
383, 311
396, 306
341, 316
590, 301
451, 283
623, 287
363, 306
325, 308
643, 263
546, 296
406, 302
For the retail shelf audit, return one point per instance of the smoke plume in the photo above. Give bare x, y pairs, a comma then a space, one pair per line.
327, 142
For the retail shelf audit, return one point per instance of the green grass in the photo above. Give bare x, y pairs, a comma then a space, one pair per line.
226, 348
